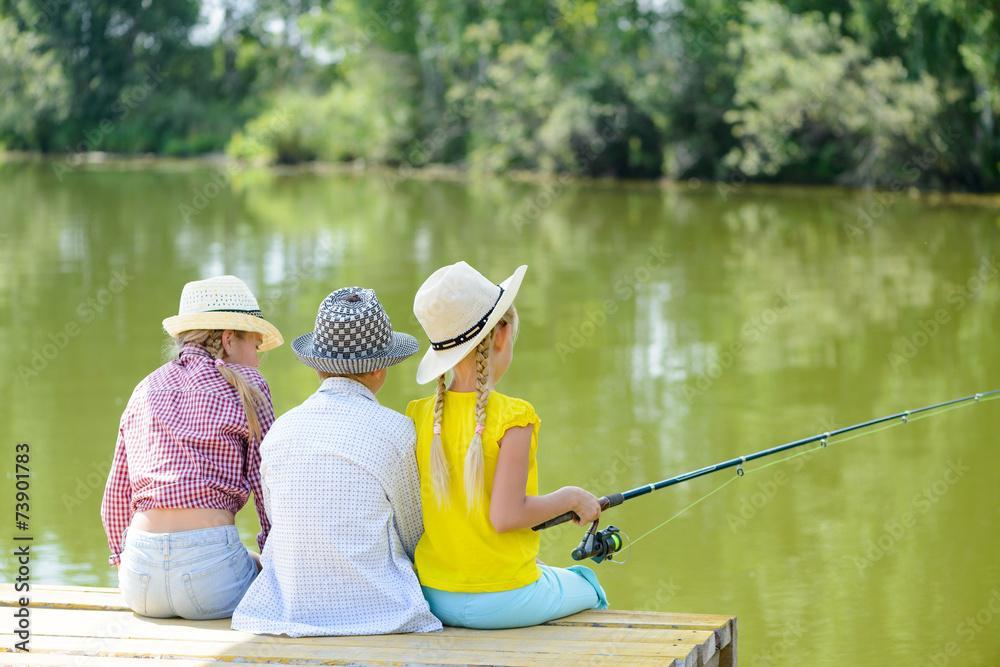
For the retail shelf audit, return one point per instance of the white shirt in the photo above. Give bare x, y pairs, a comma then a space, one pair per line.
342, 491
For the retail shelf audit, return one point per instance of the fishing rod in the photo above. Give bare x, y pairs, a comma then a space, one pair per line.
601, 545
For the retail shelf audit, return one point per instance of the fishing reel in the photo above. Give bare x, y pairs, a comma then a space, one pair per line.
598, 545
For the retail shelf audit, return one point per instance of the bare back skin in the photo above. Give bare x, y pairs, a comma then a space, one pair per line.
181, 519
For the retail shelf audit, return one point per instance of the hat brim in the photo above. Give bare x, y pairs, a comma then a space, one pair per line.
439, 362
222, 321
403, 347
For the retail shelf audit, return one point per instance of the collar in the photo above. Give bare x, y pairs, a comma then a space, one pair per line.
347, 385
195, 349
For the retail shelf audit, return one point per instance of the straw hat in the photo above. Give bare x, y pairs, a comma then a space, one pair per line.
224, 302
457, 307
353, 334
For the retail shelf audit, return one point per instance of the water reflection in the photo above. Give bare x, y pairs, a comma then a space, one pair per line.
663, 330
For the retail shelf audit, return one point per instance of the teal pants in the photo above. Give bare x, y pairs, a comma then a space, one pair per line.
558, 592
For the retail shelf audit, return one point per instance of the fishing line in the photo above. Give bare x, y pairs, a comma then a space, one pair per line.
718, 488
602, 545
826, 442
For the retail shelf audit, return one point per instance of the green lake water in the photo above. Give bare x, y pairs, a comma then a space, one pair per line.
662, 330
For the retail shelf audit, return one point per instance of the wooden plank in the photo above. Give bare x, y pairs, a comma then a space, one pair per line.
64, 597
340, 655
35, 659
99, 623
704, 652
727, 656
601, 634
98, 629
110, 599
621, 618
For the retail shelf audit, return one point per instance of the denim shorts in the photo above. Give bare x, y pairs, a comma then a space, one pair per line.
196, 574
557, 593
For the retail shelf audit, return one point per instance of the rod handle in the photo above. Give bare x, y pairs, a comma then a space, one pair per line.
613, 500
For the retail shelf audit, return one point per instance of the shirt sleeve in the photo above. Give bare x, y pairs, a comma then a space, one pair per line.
405, 492
265, 416
116, 506
519, 413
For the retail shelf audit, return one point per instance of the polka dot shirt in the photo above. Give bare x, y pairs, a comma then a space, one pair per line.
342, 491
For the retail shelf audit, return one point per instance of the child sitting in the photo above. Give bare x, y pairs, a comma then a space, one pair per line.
187, 459
342, 489
477, 558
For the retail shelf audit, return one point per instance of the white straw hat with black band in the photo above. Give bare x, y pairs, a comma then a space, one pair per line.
457, 307
224, 302
353, 334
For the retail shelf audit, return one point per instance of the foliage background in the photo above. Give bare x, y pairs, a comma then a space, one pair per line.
896, 94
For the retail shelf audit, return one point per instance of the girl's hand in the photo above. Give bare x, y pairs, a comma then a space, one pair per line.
584, 504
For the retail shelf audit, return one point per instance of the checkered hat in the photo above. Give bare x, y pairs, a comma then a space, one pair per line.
353, 335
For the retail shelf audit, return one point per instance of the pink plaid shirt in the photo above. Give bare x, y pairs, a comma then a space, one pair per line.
181, 443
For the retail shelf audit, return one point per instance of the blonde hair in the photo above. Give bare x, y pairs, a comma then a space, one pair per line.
475, 462
251, 397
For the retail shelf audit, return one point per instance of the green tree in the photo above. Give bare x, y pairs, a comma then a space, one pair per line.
34, 94
105, 48
958, 43
812, 100
694, 45
852, 91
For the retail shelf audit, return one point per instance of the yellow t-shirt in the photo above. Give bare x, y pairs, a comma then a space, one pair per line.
460, 552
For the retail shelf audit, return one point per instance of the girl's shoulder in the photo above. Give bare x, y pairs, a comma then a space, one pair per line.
253, 375
419, 406
513, 411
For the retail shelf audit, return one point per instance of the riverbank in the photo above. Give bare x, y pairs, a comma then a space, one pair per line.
64, 163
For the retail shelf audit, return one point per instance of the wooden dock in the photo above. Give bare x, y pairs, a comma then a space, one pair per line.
93, 627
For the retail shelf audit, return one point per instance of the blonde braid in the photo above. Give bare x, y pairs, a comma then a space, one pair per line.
440, 477
213, 343
475, 463
251, 397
